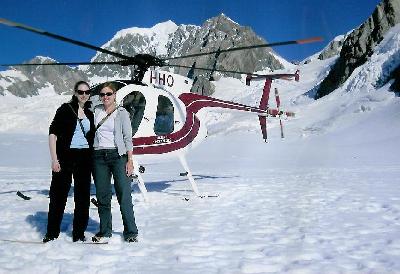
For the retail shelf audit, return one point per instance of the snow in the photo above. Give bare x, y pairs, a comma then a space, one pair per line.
8, 77
283, 61
161, 31
326, 199
45, 59
164, 28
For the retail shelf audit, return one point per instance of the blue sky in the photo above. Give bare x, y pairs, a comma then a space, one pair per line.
96, 22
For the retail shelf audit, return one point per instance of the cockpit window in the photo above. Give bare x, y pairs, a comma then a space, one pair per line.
164, 123
135, 104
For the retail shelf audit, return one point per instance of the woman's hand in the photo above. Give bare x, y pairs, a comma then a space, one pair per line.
55, 166
129, 167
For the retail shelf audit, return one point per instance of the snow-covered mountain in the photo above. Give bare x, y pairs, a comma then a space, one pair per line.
360, 44
130, 42
169, 40
164, 39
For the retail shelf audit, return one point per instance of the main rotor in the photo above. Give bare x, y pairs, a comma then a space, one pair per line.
140, 63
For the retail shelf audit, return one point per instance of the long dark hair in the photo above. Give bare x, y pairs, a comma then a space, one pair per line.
80, 83
74, 99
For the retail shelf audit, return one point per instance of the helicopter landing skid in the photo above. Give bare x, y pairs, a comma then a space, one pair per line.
189, 175
203, 196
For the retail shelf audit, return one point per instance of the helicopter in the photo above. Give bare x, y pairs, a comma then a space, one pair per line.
164, 123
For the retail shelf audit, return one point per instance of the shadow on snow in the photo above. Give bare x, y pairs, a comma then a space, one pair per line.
39, 222
163, 185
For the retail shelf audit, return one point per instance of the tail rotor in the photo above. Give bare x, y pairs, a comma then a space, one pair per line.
265, 98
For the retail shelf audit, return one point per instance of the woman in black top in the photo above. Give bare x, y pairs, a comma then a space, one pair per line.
70, 142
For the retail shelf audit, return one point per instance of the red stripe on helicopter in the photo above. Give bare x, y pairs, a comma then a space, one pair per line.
173, 141
181, 138
193, 103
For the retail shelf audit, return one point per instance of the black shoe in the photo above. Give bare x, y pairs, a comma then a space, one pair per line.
132, 239
48, 238
79, 238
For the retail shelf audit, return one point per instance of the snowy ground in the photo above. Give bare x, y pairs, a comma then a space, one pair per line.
282, 207
326, 199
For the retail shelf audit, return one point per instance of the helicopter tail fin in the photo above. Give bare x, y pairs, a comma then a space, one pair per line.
264, 105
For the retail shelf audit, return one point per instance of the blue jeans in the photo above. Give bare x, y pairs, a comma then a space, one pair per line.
107, 162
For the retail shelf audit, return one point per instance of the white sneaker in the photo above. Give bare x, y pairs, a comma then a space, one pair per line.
132, 239
100, 239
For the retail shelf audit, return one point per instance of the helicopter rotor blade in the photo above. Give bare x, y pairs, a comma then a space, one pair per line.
233, 71
61, 38
208, 69
301, 41
63, 64
141, 60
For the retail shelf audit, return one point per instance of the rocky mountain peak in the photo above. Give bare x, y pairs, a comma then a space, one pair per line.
359, 45
221, 32
220, 22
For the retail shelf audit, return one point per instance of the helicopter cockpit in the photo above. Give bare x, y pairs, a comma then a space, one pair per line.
135, 104
140, 109
164, 122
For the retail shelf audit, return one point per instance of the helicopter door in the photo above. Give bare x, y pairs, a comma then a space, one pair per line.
135, 104
164, 122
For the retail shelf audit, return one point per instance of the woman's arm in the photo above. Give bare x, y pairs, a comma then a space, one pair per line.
126, 130
127, 136
55, 165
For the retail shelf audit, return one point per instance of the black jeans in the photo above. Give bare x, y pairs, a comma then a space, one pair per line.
77, 163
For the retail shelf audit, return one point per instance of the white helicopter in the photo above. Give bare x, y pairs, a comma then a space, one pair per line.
163, 122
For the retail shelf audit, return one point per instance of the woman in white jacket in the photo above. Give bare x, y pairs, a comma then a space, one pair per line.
113, 157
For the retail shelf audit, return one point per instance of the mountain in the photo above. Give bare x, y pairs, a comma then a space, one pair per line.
27, 81
169, 40
359, 46
131, 42
220, 33
165, 40
331, 50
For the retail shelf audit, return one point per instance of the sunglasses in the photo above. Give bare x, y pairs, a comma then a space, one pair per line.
104, 94
81, 92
